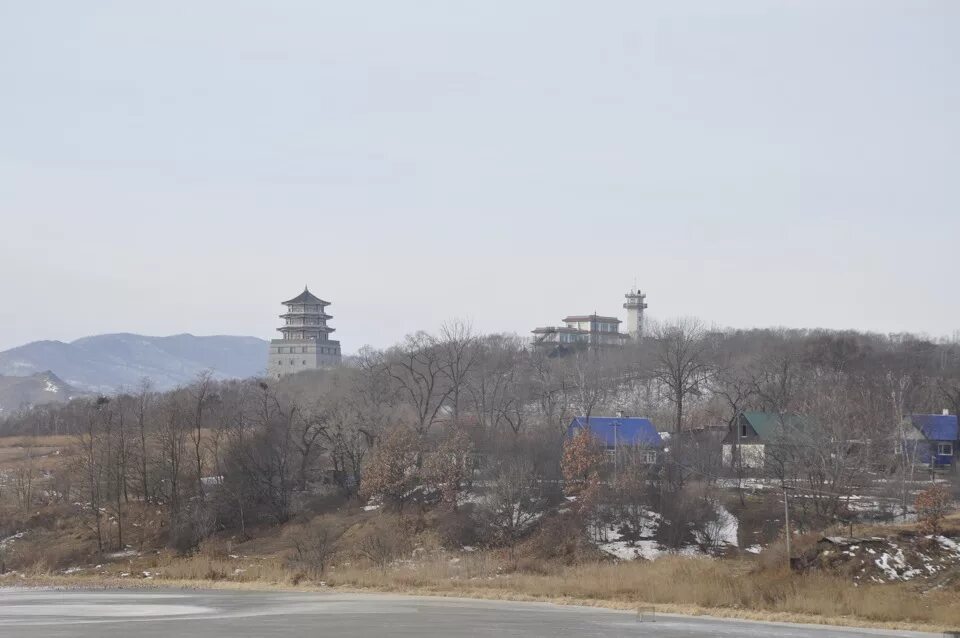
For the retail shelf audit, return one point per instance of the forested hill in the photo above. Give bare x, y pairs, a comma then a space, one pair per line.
105, 363
37, 389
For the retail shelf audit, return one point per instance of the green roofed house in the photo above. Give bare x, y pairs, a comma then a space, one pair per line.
754, 432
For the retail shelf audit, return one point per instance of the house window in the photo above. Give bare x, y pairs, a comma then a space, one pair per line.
743, 429
650, 456
944, 449
304, 362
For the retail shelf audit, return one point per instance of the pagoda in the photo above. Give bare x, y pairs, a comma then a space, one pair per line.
306, 343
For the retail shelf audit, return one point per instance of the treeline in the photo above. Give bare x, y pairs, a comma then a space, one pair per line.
424, 423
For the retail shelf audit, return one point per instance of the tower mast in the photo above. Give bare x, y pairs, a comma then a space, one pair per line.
635, 305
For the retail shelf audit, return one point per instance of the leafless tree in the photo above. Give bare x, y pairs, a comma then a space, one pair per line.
681, 362
553, 390
420, 373
459, 349
202, 396
592, 383
514, 501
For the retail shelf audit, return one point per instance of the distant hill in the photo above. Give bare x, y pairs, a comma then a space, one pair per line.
105, 363
37, 389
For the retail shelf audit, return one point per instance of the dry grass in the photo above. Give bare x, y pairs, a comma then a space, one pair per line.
727, 588
951, 527
54, 441
40, 450
699, 583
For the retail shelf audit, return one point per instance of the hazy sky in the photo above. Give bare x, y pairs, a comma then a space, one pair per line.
173, 167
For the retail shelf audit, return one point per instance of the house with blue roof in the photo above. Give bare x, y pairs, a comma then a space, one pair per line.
619, 432
936, 439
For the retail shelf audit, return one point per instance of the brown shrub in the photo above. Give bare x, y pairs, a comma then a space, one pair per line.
932, 506
313, 545
383, 541
455, 529
560, 538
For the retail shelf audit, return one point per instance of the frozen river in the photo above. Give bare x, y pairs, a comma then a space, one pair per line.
26, 613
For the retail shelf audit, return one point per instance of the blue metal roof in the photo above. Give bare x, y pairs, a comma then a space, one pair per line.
623, 431
937, 427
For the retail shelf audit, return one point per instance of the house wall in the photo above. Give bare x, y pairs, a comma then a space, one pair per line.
753, 455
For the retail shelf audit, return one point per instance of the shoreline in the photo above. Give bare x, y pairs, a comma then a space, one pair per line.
670, 609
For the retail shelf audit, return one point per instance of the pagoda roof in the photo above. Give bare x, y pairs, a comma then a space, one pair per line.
306, 297
294, 315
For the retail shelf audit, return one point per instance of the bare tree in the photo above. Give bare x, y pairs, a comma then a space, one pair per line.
553, 389
514, 501
459, 349
681, 363
592, 383
420, 373
91, 462
499, 390
201, 395
143, 405
172, 441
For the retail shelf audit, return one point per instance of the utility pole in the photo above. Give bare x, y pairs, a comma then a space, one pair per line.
737, 457
616, 426
786, 522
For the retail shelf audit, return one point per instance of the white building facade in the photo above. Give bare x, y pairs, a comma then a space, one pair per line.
596, 330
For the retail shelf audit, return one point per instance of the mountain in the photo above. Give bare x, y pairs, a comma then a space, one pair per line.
105, 363
37, 389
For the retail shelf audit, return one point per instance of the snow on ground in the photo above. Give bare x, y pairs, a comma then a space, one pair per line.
5, 542
723, 533
879, 559
626, 550
949, 543
466, 496
894, 567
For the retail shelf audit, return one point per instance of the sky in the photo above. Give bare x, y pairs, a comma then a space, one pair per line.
185, 166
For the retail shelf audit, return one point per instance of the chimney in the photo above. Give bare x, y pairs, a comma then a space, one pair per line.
946, 412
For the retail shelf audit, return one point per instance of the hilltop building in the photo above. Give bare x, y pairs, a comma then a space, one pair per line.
306, 343
635, 305
586, 330
596, 330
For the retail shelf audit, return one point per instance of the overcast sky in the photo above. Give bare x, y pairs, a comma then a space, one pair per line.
172, 167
